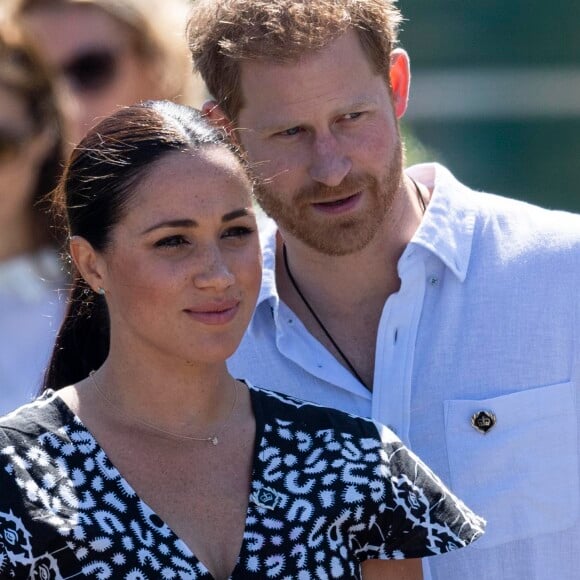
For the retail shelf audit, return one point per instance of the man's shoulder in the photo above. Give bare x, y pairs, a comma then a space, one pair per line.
494, 223
519, 212
523, 230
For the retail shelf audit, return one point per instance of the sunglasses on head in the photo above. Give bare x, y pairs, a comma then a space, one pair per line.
92, 70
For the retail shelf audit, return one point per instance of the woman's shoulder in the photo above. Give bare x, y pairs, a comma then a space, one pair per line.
26, 424
312, 416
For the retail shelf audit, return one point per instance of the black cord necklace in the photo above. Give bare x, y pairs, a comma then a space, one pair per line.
311, 310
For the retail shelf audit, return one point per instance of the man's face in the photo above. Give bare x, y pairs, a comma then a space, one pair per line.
322, 138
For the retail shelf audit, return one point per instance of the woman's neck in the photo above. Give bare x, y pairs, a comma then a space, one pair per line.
184, 397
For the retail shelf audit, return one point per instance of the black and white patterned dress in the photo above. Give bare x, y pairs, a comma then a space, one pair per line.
328, 491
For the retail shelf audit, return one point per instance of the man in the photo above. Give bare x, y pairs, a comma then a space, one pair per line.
451, 315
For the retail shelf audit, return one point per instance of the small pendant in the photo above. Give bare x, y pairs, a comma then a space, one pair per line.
214, 440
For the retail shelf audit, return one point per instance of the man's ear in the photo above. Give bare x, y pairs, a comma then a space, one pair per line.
89, 263
400, 79
211, 110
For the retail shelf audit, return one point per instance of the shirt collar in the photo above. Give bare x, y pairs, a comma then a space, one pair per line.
448, 225
268, 235
446, 229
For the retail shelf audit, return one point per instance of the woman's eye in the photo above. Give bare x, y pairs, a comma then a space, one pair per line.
237, 232
171, 242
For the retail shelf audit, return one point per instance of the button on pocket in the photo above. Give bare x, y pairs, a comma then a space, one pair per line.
522, 475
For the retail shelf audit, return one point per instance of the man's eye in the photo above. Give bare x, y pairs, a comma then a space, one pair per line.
171, 242
290, 132
352, 116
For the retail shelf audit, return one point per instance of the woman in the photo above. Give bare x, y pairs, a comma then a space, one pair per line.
30, 270
154, 462
110, 53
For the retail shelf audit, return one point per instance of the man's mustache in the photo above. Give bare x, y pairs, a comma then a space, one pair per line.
319, 192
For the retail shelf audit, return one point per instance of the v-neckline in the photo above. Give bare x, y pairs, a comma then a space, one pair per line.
139, 504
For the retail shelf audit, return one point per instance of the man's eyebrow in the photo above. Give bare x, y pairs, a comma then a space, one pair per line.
281, 125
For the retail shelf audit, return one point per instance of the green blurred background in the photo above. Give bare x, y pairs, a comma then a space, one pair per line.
495, 94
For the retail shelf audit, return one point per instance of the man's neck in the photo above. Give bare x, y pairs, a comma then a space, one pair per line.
362, 279
347, 293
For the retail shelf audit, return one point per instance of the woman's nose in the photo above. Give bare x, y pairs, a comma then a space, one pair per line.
213, 271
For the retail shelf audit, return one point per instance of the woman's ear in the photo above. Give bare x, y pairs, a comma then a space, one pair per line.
89, 263
400, 79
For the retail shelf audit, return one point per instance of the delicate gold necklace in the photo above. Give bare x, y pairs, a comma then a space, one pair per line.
213, 439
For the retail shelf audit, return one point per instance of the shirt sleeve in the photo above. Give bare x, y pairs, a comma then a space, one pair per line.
417, 515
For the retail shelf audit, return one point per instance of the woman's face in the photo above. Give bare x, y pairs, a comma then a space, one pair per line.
94, 58
183, 269
22, 151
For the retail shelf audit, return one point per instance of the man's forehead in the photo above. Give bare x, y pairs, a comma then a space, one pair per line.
333, 81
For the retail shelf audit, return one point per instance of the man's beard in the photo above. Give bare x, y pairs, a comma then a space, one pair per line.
336, 235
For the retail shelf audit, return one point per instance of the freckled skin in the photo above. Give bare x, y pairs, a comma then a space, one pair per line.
153, 278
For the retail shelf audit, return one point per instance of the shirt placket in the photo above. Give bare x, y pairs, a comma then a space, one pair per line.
396, 340
299, 346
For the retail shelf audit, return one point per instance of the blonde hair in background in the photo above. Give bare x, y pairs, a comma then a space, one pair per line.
159, 30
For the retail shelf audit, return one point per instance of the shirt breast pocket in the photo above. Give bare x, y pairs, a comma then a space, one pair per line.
521, 475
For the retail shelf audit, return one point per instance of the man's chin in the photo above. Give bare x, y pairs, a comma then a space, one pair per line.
337, 241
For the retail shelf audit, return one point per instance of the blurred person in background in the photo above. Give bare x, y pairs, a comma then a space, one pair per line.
111, 53
30, 271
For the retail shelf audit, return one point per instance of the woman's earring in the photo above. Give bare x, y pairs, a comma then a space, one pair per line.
101, 291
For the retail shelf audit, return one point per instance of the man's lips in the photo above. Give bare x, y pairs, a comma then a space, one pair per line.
214, 313
341, 205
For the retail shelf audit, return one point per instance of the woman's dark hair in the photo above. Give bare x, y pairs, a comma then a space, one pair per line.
94, 194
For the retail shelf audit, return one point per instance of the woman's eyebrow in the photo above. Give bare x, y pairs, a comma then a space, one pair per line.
232, 215
189, 223
178, 223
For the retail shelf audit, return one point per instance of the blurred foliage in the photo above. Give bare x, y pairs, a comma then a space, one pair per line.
536, 158
415, 150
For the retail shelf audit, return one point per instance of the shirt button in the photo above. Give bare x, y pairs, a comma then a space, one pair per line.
434, 281
483, 421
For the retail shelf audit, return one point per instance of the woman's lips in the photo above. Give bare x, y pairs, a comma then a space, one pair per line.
340, 205
214, 314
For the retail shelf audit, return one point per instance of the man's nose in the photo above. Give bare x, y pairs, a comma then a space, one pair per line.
329, 164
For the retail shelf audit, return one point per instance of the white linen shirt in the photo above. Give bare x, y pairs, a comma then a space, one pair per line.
487, 318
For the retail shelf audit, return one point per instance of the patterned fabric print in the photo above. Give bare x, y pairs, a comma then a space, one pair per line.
341, 494
72, 513
326, 493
